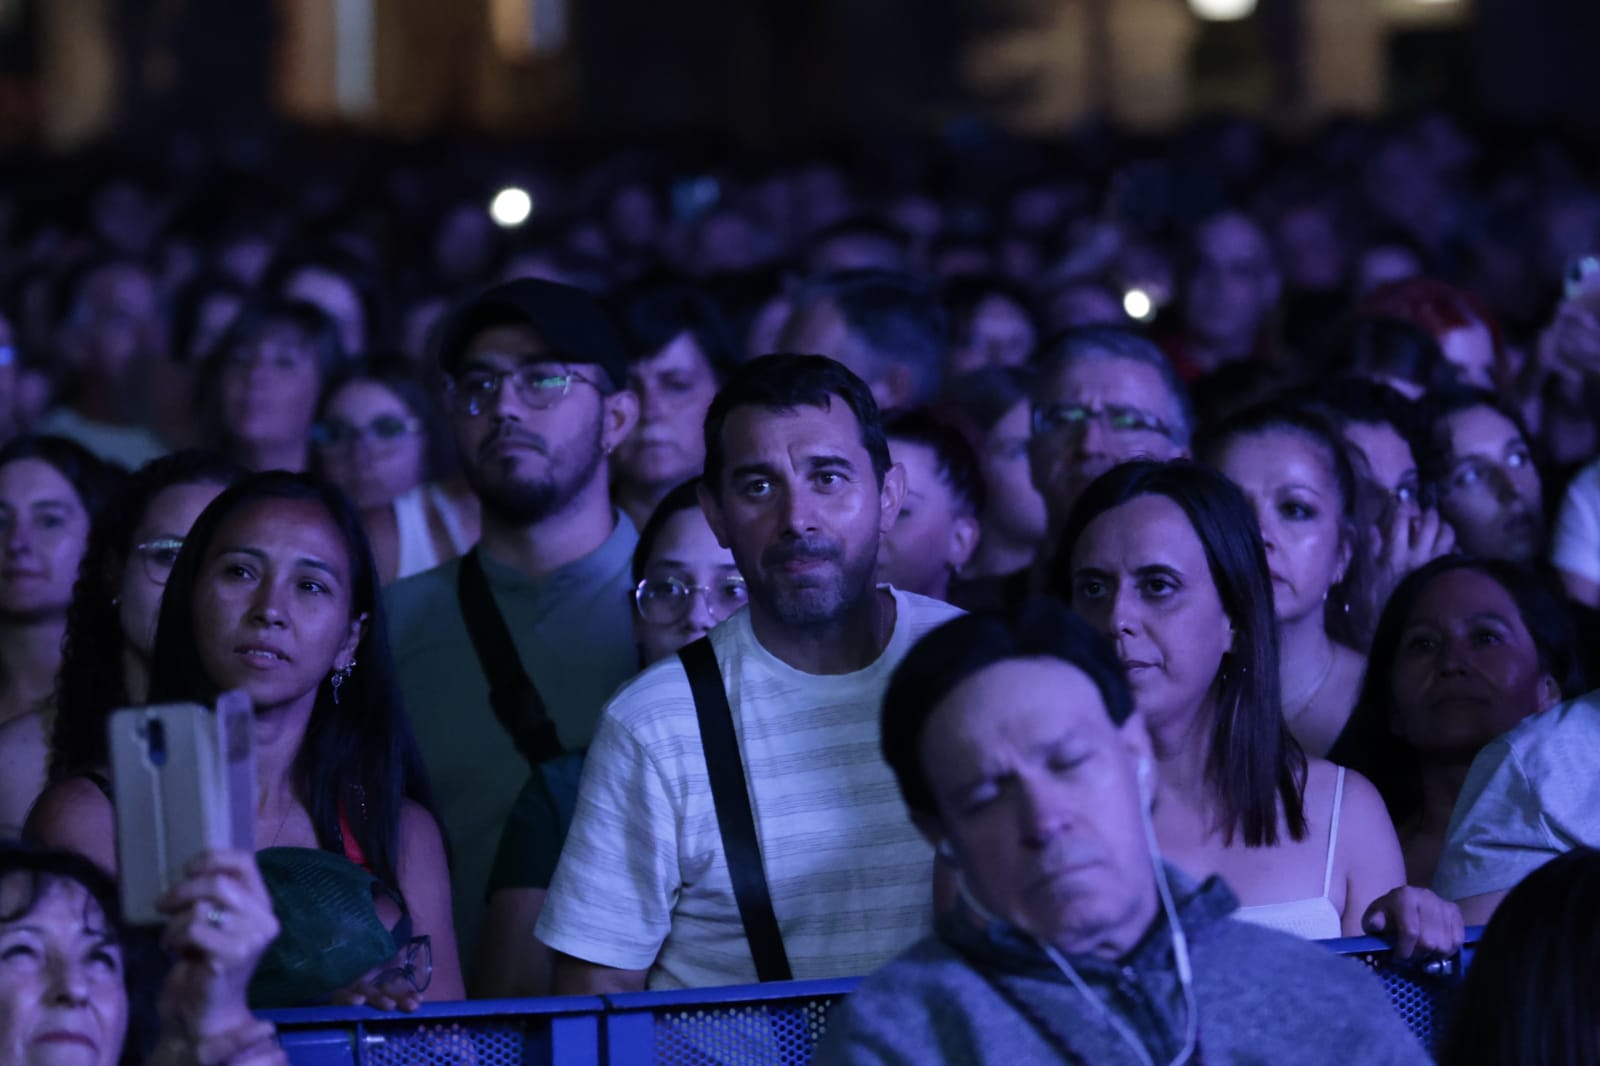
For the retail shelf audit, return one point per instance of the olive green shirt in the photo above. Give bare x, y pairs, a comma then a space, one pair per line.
574, 634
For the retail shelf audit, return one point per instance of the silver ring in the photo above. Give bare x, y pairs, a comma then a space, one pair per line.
216, 917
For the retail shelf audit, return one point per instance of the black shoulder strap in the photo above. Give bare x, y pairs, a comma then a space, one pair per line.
512, 694
734, 817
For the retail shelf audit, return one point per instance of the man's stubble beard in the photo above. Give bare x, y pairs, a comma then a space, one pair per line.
525, 501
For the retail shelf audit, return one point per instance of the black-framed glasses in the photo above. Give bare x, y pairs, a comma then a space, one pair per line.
158, 557
415, 967
384, 429
538, 385
1074, 419
665, 601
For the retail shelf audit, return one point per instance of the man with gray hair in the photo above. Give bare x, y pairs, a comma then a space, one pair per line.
1102, 396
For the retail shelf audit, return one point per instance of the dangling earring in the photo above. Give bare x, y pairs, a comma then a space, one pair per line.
339, 676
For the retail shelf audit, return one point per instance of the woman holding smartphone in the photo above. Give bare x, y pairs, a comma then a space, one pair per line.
274, 593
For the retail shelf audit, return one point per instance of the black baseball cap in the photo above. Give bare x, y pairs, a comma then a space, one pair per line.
570, 320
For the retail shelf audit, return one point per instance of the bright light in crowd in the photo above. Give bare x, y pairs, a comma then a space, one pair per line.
1222, 10
1138, 305
511, 206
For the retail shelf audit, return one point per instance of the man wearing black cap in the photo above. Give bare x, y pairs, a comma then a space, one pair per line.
507, 655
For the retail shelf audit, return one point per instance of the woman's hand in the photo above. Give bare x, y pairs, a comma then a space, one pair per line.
380, 992
1420, 923
1408, 539
221, 922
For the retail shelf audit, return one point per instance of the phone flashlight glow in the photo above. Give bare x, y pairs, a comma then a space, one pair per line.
511, 206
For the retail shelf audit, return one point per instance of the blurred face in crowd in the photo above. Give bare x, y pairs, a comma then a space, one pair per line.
1470, 349
818, 327
62, 996
1466, 669
1491, 493
690, 584
1095, 414
1140, 575
801, 509
272, 603
675, 386
530, 450
998, 334
1014, 509
1308, 241
338, 298
1038, 801
116, 321
858, 251
1388, 460
268, 386
934, 535
371, 444
156, 541
45, 529
1234, 284
1289, 480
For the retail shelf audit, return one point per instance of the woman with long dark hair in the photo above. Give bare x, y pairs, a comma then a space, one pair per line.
1166, 559
51, 493
111, 624
275, 593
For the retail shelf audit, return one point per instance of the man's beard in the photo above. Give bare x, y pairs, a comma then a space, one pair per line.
821, 604
524, 501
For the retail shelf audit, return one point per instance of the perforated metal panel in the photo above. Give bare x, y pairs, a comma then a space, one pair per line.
474, 1042
1422, 1000
781, 1033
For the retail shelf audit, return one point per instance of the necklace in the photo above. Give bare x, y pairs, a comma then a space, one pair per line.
1302, 706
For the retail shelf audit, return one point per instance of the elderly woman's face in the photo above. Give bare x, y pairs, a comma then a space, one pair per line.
1140, 576
62, 996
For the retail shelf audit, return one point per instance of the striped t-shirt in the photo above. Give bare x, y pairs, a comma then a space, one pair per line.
642, 882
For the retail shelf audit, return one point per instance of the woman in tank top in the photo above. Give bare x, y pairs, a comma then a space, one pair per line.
1167, 560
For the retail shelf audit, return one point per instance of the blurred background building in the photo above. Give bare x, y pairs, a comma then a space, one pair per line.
766, 72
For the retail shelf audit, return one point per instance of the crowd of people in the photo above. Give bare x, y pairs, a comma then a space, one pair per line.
1062, 578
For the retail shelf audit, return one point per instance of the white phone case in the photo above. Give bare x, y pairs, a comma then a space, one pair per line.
183, 778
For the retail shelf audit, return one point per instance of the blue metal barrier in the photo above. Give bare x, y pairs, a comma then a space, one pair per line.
748, 1025
490, 1032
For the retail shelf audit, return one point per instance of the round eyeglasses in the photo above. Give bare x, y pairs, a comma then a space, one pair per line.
539, 386
158, 557
665, 601
385, 429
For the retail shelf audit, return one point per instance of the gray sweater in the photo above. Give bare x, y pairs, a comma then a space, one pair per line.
970, 995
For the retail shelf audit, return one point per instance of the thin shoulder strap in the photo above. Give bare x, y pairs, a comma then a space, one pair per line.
1333, 830
512, 693
731, 796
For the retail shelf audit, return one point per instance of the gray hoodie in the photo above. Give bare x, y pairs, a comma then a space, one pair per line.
990, 995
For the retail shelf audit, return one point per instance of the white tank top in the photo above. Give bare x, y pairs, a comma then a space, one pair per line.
1315, 918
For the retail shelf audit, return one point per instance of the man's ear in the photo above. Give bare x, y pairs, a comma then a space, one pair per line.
620, 414
964, 535
1549, 692
713, 512
891, 496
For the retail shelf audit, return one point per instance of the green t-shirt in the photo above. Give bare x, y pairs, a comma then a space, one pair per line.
574, 634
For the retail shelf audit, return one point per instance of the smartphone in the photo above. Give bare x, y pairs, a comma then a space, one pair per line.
183, 782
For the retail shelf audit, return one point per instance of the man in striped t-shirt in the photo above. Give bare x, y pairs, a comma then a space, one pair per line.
799, 486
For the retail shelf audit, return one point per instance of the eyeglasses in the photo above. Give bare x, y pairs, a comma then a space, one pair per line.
1074, 419
538, 385
158, 556
385, 429
416, 965
665, 601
